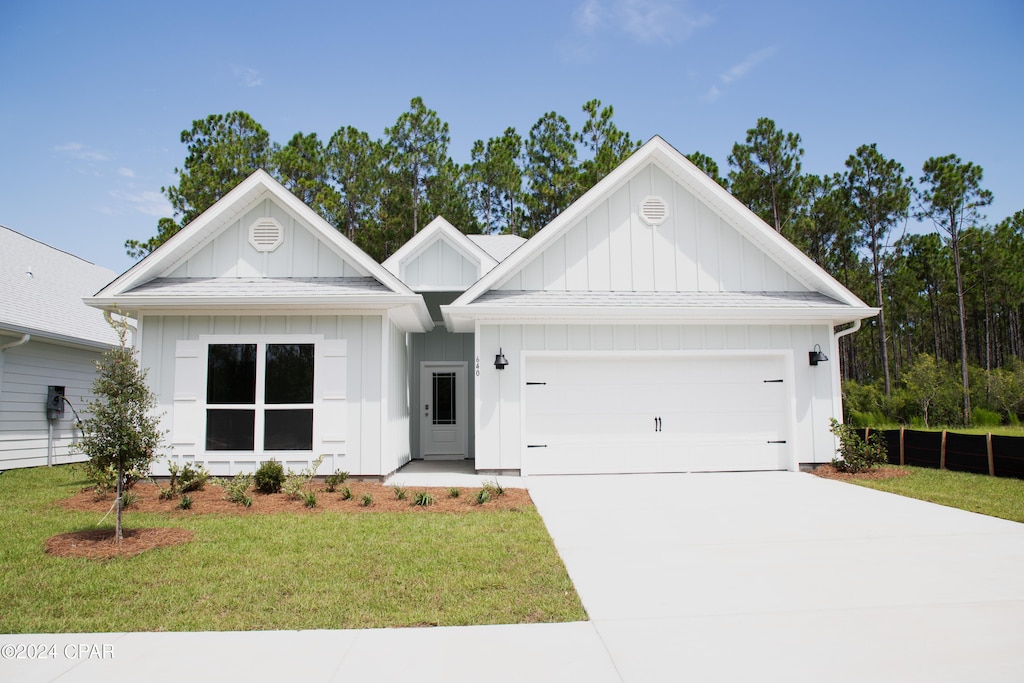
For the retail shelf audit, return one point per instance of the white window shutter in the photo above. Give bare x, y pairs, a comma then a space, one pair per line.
331, 377
188, 430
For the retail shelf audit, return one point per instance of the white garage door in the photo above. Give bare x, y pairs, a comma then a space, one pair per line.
654, 413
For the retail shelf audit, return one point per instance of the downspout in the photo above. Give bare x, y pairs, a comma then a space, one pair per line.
24, 340
133, 328
838, 377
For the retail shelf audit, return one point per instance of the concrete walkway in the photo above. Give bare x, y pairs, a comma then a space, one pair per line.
702, 577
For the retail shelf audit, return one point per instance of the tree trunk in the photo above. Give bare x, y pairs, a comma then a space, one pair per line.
882, 345
955, 242
118, 537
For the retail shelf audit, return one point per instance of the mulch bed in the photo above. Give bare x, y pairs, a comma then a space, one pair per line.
99, 544
830, 472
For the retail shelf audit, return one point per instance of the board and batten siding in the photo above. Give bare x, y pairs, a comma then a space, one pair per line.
397, 448
25, 373
439, 267
300, 254
498, 410
612, 249
364, 392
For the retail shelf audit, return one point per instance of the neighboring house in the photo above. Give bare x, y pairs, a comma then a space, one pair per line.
655, 325
48, 338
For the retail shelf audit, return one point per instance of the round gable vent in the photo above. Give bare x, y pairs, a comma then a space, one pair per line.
266, 234
653, 210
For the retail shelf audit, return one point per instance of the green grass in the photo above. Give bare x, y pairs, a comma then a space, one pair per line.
281, 571
994, 496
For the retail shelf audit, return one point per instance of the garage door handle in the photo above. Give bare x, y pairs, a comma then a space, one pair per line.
536, 445
783, 441
773, 381
533, 384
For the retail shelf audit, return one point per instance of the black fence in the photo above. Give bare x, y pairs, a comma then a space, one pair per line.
998, 456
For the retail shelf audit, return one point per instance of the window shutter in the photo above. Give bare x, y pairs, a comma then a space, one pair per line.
331, 378
188, 428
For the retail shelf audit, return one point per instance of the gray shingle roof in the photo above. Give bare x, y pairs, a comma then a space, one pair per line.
260, 287
657, 299
498, 247
41, 290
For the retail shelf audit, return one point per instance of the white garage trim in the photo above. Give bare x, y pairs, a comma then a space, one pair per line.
642, 440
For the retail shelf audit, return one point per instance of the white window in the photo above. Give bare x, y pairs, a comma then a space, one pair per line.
259, 395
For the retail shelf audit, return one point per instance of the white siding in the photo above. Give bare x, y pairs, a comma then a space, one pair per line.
439, 267
230, 255
397, 452
499, 416
611, 249
364, 395
25, 373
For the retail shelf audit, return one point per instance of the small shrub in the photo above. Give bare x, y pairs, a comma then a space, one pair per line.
854, 453
423, 499
185, 503
295, 482
237, 489
454, 493
494, 488
367, 500
346, 493
269, 477
193, 477
128, 499
400, 493
483, 496
985, 418
333, 481
309, 499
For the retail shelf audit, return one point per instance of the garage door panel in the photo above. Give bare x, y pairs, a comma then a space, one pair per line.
656, 413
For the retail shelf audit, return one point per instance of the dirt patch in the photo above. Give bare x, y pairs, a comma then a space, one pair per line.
98, 544
830, 472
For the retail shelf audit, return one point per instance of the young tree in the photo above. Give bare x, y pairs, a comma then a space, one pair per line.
880, 198
767, 173
418, 147
952, 196
122, 432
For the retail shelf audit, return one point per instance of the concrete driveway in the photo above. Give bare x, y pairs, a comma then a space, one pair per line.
785, 576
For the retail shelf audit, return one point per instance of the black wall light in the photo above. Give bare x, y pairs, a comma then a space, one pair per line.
816, 356
500, 362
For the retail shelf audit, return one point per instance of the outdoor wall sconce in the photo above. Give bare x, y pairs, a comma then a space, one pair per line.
816, 356
499, 360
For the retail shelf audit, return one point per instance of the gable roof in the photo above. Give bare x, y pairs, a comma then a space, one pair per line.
838, 303
43, 289
498, 246
154, 282
437, 231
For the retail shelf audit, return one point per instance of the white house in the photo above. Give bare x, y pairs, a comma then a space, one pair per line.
655, 325
48, 338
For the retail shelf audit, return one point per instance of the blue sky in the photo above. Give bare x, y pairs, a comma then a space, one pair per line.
94, 95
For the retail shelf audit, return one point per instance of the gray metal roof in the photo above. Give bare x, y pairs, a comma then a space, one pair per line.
255, 288
498, 247
41, 290
539, 298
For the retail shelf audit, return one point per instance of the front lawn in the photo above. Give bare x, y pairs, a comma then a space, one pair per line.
994, 496
329, 570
